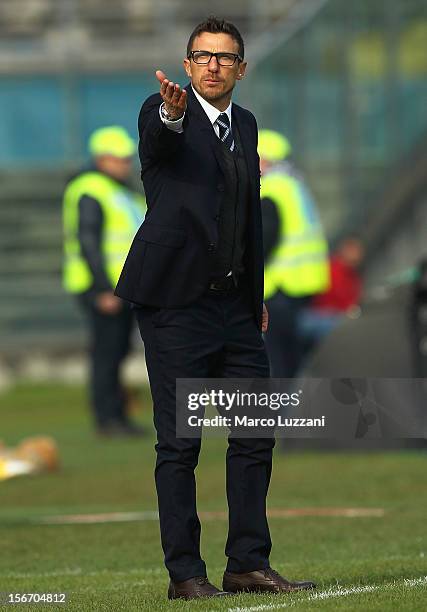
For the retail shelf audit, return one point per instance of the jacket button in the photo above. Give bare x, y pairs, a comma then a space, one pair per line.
216, 217
220, 187
211, 247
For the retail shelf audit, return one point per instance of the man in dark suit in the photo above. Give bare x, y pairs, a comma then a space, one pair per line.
195, 269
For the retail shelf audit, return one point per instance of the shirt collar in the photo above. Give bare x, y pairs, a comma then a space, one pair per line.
212, 112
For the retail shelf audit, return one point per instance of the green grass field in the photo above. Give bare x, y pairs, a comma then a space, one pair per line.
364, 563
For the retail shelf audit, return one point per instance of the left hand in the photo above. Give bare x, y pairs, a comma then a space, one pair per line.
264, 324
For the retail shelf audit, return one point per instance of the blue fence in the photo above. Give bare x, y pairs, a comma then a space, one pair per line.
47, 120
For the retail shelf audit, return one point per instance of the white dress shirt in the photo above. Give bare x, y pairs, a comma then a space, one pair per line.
212, 113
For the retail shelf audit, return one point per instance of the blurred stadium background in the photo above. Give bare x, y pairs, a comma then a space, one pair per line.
345, 81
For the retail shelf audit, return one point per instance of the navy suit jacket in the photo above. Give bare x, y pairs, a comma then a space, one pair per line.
168, 262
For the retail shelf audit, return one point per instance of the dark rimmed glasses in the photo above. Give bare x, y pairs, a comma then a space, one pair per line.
223, 58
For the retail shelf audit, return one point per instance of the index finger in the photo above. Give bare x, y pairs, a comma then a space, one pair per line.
160, 75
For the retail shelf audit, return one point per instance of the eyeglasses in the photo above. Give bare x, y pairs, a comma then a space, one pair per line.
223, 59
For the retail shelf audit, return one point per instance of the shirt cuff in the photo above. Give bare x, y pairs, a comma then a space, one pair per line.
175, 126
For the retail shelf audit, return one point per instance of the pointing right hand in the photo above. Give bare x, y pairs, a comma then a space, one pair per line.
174, 98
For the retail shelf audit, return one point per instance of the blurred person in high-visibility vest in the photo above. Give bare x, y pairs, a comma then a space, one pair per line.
295, 251
101, 213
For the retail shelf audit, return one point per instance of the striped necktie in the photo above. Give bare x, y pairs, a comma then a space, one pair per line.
225, 133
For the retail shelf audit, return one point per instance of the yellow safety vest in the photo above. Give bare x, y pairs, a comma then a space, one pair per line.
123, 211
298, 265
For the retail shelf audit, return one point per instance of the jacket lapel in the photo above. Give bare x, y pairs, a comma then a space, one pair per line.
247, 140
203, 123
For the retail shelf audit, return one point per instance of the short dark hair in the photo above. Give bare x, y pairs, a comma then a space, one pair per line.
217, 26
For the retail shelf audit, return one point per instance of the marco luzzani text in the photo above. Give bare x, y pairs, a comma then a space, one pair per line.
238, 400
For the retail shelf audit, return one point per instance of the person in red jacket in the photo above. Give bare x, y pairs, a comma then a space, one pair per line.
346, 282
326, 310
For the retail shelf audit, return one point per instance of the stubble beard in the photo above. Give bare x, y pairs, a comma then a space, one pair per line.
212, 96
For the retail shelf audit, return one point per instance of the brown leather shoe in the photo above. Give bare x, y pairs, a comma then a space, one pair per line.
194, 588
262, 581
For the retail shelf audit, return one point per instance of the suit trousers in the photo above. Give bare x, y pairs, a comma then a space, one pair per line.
216, 336
108, 346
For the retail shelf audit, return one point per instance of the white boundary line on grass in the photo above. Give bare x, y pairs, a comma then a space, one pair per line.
336, 592
78, 571
153, 515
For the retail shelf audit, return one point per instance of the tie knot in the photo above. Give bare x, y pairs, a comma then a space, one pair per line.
223, 121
